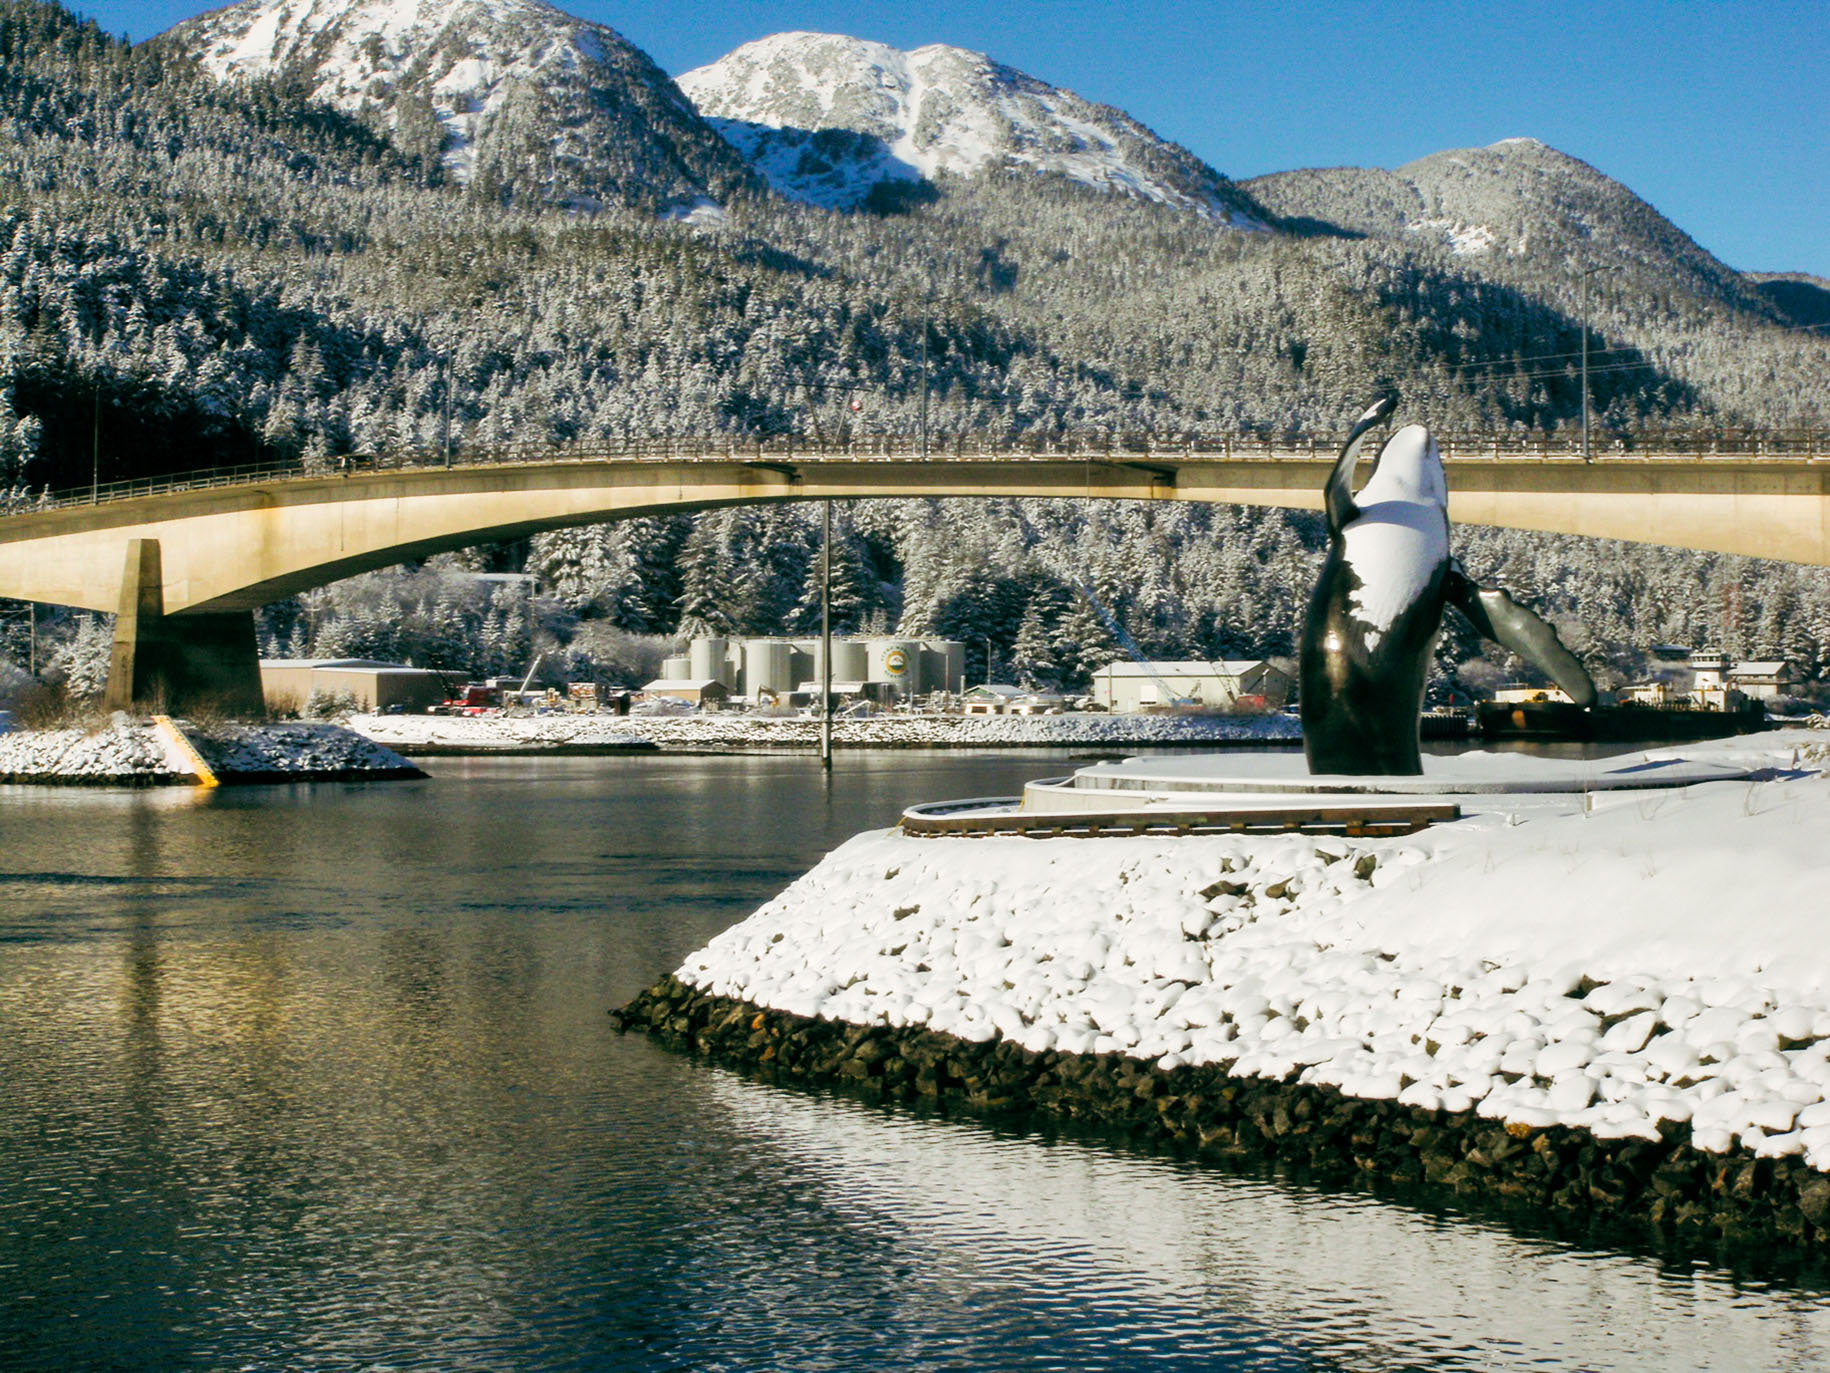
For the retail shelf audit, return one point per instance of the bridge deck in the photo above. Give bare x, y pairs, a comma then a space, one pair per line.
1657, 447
233, 540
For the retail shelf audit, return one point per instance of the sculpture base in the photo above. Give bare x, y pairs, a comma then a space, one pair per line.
1204, 782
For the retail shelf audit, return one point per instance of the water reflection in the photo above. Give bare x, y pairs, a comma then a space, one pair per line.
321, 1076
1339, 1276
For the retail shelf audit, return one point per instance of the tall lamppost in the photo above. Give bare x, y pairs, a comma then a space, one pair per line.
924, 385
1582, 276
826, 635
445, 389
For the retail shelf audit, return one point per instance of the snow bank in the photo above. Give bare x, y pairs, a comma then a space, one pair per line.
494, 733
486, 732
1605, 964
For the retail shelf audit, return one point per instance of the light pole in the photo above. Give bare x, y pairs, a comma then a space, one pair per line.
826, 637
1582, 309
924, 386
445, 388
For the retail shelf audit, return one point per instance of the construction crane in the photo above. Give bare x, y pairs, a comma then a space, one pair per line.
1167, 693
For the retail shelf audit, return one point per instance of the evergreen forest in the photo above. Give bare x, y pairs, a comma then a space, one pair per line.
195, 275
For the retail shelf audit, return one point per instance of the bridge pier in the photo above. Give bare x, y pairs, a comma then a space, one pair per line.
178, 663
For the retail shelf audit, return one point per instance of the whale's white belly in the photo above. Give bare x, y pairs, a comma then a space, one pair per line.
1394, 549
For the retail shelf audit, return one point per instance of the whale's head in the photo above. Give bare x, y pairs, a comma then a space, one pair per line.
1409, 469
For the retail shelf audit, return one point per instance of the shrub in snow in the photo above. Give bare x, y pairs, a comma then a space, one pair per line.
329, 705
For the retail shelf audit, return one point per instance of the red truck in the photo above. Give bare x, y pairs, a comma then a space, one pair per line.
472, 699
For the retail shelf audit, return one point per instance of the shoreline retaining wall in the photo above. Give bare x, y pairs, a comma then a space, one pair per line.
1667, 1185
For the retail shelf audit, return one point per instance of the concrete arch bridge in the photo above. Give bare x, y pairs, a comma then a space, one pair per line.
183, 562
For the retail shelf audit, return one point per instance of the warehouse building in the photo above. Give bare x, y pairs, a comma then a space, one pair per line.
288, 683
1230, 684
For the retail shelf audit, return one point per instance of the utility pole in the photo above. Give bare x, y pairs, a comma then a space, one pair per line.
1583, 310
1582, 275
826, 639
446, 388
924, 386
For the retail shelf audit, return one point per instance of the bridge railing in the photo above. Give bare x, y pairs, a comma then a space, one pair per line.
1641, 446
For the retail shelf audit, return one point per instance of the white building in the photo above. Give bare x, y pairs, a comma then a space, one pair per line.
1714, 681
992, 698
1226, 684
698, 691
1763, 680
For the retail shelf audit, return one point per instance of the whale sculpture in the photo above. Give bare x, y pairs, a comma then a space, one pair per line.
1377, 609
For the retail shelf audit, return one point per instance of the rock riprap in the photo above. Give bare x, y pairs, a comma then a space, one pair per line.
733, 730
1449, 1006
130, 752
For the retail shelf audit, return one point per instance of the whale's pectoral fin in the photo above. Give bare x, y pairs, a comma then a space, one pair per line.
1498, 617
1337, 499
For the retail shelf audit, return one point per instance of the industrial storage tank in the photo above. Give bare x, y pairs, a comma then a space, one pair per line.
850, 661
804, 662
943, 663
898, 662
676, 669
708, 661
768, 666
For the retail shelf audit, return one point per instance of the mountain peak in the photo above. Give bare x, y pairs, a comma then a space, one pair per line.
1518, 200
826, 118
514, 93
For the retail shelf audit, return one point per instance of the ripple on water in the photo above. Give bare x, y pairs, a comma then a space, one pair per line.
331, 1086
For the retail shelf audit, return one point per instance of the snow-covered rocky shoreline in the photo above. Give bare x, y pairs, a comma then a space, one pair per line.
128, 752
412, 734
1642, 974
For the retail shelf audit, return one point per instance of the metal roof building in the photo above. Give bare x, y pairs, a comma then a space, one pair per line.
1216, 685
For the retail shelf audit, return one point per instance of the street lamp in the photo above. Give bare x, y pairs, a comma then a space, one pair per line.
924, 385
826, 635
1582, 309
445, 397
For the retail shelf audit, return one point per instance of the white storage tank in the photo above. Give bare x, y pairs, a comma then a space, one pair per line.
709, 660
850, 661
898, 662
676, 669
768, 665
803, 662
943, 664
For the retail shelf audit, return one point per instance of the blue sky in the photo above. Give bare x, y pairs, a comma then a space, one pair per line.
1717, 113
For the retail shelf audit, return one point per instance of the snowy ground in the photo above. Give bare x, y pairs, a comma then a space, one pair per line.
1605, 962
751, 731
134, 750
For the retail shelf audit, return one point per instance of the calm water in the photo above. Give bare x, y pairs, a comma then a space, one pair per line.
320, 1078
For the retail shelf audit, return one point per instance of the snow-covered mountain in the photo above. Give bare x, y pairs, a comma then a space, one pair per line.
510, 95
826, 119
1517, 200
